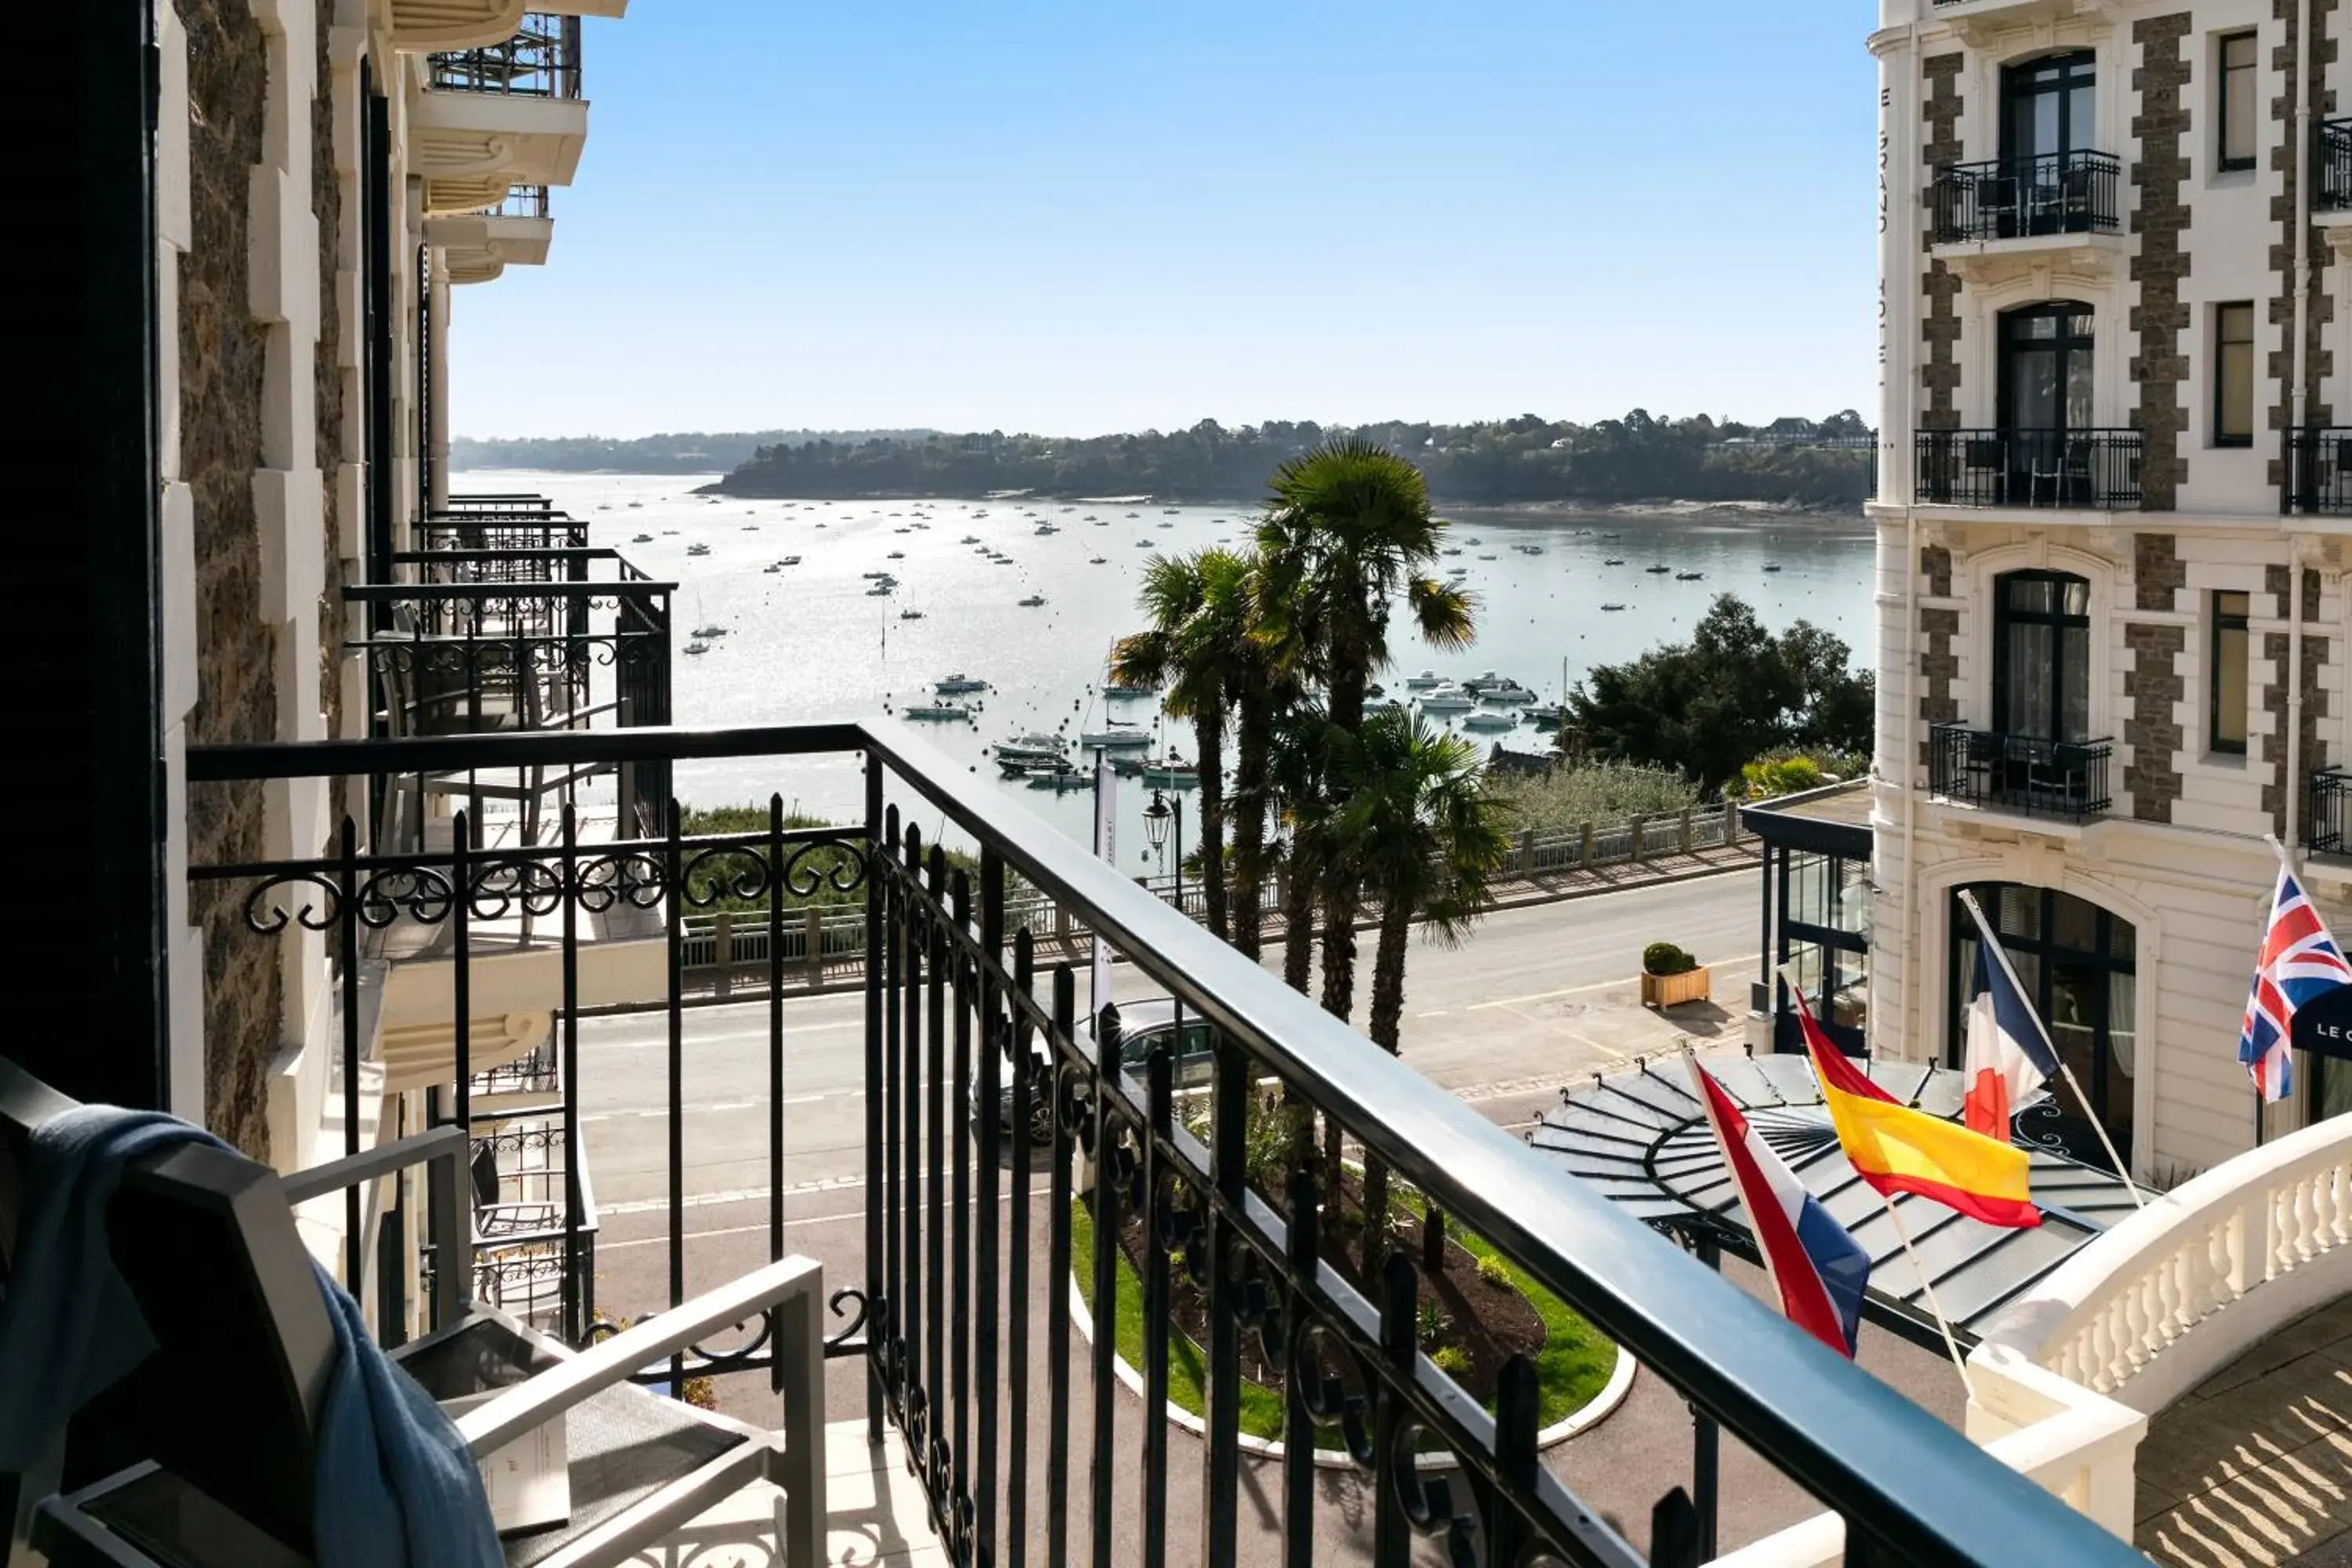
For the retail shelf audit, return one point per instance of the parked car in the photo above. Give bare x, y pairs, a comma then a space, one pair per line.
1144, 1025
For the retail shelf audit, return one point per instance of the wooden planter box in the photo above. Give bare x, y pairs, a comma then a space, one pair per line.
1674, 990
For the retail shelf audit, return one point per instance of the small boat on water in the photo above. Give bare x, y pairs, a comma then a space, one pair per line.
635, 505
1547, 716
641, 539
1135, 514
946, 710
1002, 560
1451, 550
1143, 544
879, 591
697, 647
1688, 576
896, 555
1168, 511
669, 533
1097, 560
1034, 750
1032, 602
958, 682
712, 630
1375, 691
1116, 691
1486, 557
1772, 566
1166, 525
1614, 561
1532, 550
604, 506
1423, 681
789, 560
1489, 718
698, 550
1612, 606
1060, 776
1114, 737
1654, 571
1447, 698
969, 539
911, 613
772, 567
1172, 773
873, 576
1045, 528
1493, 687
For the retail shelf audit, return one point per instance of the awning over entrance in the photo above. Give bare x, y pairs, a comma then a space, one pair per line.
1638, 1137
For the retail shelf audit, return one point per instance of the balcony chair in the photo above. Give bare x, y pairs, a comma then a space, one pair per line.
1983, 456
2056, 779
213, 1433
1996, 216
2066, 466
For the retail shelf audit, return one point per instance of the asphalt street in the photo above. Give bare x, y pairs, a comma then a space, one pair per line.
1535, 997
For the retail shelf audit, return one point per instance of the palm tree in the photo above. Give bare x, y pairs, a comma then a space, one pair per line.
1264, 691
1427, 840
1346, 532
1198, 606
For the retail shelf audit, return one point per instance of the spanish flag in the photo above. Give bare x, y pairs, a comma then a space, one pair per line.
1898, 1149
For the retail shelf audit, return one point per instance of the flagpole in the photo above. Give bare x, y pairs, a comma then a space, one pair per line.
1991, 944
2262, 1105
1958, 1363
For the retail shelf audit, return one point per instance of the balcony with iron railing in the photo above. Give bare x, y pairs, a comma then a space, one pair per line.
860, 1135
2318, 469
2092, 470
2039, 196
541, 59
2019, 774
2331, 186
500, 115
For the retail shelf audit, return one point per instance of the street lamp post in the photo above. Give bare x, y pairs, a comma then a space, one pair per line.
1156, 819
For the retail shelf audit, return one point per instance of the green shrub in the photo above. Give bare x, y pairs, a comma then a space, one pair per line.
1665, 958
1452, 1361
1434, 1321
1494, 1270
1767, 776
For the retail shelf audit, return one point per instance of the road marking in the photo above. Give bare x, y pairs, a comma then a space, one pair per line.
732, 1195
1599, 985
790, 1220
648, 1113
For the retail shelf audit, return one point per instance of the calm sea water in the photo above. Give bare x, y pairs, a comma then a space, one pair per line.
808, 643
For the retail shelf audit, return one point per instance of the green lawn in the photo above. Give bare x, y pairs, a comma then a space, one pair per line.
1571, 1367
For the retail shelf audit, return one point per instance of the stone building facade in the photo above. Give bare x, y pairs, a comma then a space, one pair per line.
2110, 518
324, 172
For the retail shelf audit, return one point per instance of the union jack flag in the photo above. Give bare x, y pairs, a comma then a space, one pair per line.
2299, 961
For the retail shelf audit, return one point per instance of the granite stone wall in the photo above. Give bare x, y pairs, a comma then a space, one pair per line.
2159, 363
221, 371
1940, 323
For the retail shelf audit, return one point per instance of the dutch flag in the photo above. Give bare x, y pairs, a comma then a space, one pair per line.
1819, 1270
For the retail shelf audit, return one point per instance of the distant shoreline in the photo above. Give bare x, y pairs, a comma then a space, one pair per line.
1657, 510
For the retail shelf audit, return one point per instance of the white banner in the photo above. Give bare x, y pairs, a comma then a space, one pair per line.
1107, 847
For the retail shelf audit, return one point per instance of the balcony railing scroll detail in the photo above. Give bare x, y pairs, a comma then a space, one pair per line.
989, 1107
2332, 191
2318, 464
2020, 772
2019, 198
541, 60
2095, 469
521, 201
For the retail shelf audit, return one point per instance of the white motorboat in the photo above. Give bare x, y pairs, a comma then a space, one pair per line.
1493, 687
1115, 690
1114, 737
1031, 750
641, 539
1447, 698
1423, 681
1032, 602
957, 682
697, 647
1489, 718
698, 550
950, 710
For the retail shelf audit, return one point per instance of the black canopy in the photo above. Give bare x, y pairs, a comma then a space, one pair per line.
1637, 1135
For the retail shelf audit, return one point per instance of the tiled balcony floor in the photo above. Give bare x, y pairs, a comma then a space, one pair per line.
877, 1518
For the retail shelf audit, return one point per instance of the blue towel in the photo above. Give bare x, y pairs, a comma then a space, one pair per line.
394, 1488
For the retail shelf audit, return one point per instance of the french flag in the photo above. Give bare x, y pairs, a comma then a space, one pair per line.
2008, 1056
1820, 1271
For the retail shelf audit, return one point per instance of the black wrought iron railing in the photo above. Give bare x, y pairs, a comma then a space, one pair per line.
2327, 795
959, 1240
2331, 189
2019, 773
522, 201
483, 528
2318, 470
2090, 469
2017, 198
542, 60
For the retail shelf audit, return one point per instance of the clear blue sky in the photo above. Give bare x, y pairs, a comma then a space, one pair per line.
1073, 218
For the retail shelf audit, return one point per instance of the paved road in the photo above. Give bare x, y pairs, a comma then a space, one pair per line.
1535, 997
